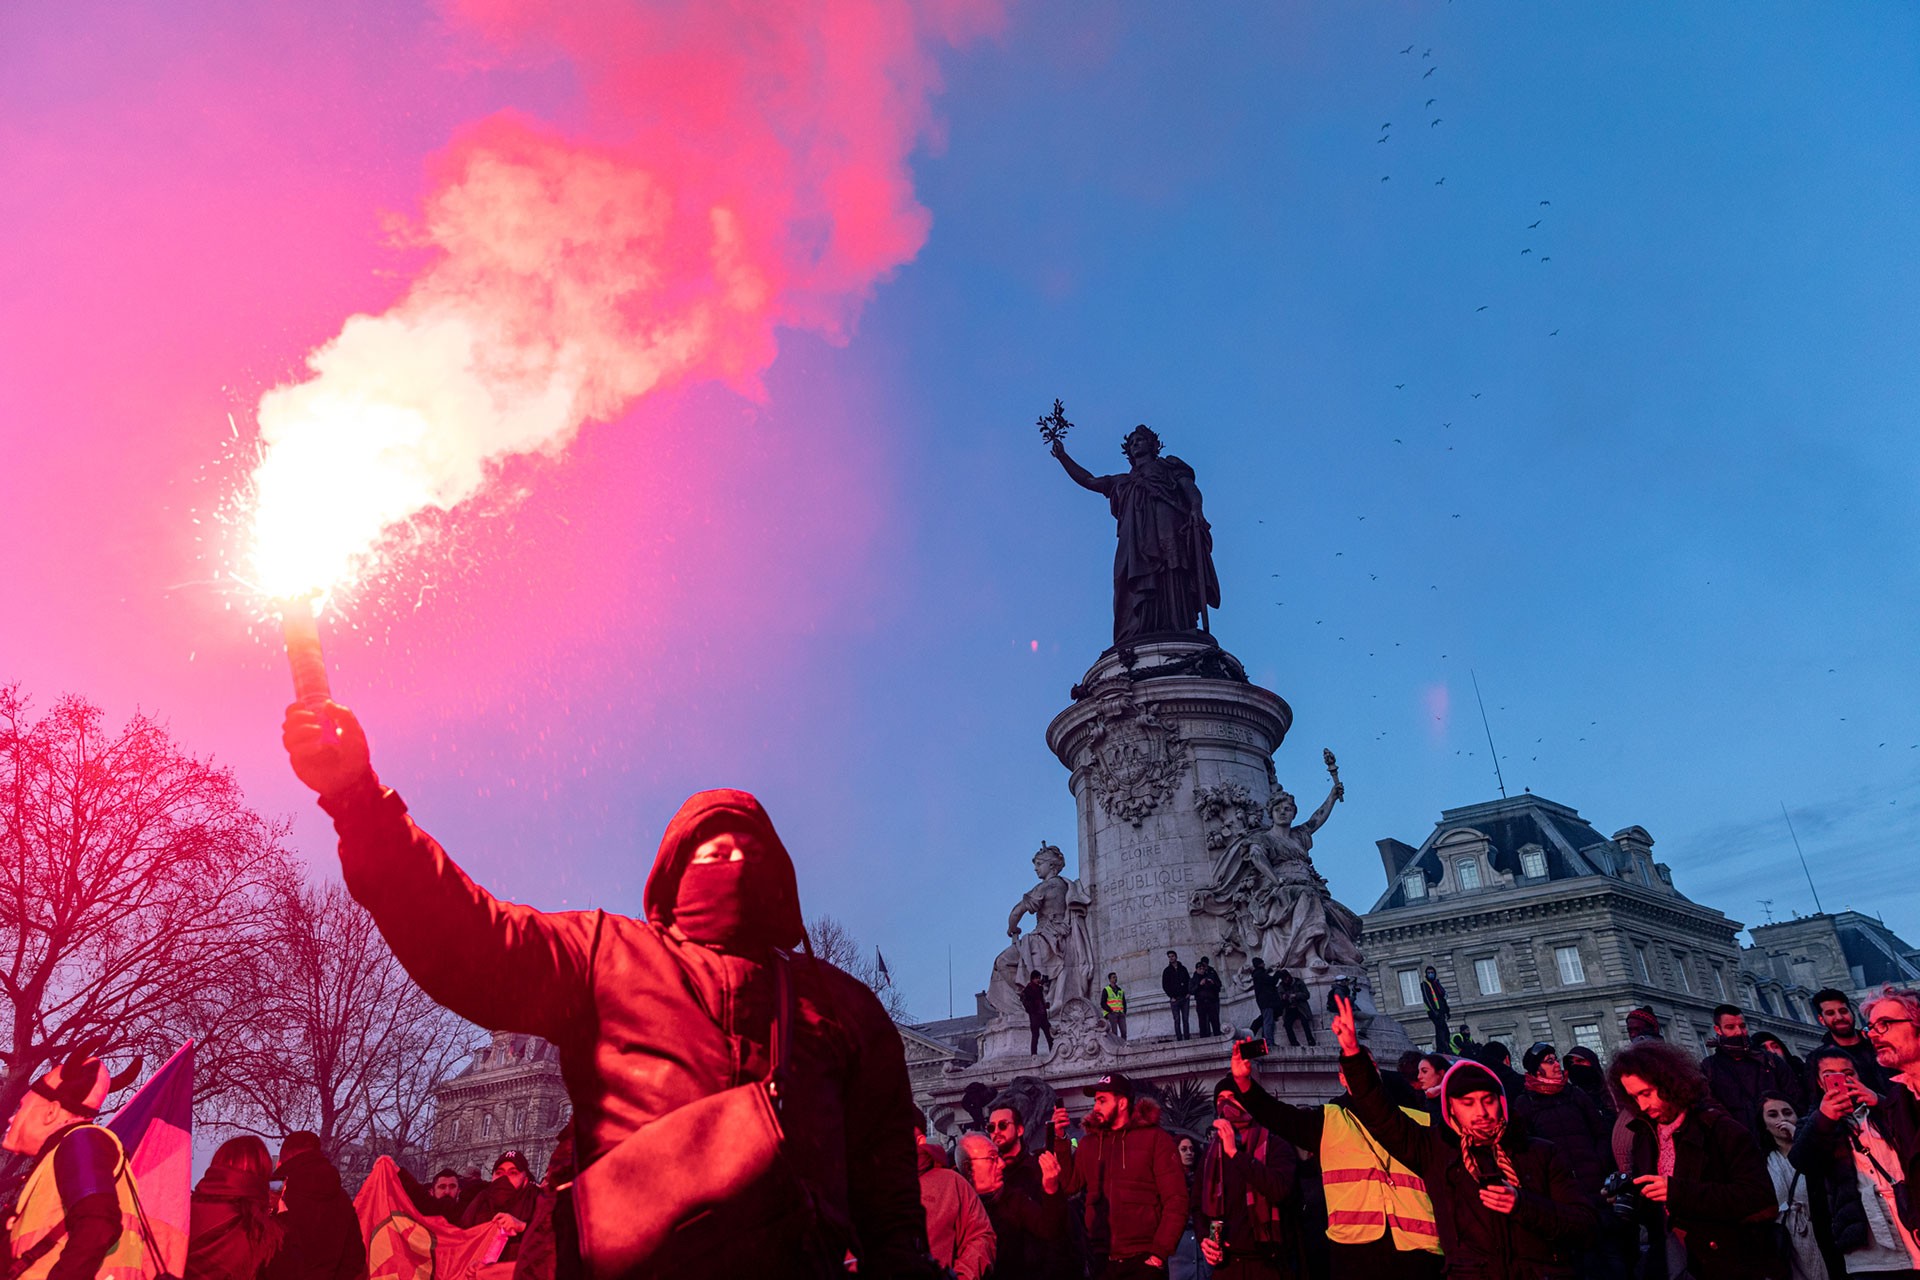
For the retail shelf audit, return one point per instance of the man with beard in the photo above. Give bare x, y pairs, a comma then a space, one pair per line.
1834, 1011
1025, 1200
1136, 1189
1737, 1076
1248, 1215
1507, 1206
1706, 1197
1855, 1173
662, 1024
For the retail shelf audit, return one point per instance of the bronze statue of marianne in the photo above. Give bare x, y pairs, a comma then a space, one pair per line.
1163, 578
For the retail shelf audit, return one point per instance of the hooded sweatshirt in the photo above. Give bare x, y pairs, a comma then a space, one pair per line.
1136, 1186
321, 1238
647, 1020
959, 1234
1551, 1218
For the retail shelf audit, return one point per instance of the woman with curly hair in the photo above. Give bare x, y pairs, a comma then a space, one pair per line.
1707, 1199
231, 1232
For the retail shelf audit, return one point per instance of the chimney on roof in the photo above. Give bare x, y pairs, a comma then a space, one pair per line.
1395, 857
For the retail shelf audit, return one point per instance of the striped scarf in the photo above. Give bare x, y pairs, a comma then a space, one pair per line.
1500, 1156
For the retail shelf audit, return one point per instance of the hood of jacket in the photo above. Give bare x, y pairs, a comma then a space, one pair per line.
308, 1178
710, 813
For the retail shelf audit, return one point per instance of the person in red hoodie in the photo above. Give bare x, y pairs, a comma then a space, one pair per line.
1136, 1188
654, 1015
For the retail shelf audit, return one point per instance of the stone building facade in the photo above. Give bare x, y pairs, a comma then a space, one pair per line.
509, 1096
1542, 929
1848, 951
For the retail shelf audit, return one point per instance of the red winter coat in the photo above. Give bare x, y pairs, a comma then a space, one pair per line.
647, 1021
959, 1233
1136, 1187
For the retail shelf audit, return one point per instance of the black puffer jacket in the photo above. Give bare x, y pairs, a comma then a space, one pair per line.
1552, 1219
647, 1021
1738, 1077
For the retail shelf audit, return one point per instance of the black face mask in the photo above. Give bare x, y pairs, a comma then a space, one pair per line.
1736, 1043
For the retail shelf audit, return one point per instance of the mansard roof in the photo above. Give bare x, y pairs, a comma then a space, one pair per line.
1572, 847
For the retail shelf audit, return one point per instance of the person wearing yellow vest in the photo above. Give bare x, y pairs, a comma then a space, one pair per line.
1379, 1219
77, 1217
1113, 1006
1507, 1205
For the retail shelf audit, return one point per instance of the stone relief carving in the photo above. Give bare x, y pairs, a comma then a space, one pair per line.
1137, 761
1265, 892
1058, 946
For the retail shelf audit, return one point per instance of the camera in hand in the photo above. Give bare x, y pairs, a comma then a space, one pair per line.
1621, 1195
1251, 1049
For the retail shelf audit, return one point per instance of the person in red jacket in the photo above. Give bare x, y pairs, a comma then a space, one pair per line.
1136, 1188
651, 1015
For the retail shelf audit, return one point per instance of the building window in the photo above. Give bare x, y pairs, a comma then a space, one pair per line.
1680, 970
1487, 974
1533, 864
1766, 1001
1640, 965
1416, 886
486, 1125
1572, 972
1410, 989
1587, 1036
1467, 872
1720, 983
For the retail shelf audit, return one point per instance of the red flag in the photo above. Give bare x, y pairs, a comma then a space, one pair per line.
406, 1244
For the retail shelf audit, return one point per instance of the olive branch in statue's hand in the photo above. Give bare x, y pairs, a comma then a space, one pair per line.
1054, 426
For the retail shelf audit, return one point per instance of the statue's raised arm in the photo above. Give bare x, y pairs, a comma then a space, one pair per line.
1334, 796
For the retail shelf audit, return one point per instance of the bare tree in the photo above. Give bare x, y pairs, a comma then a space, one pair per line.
135, 884
339, 1040
835, 943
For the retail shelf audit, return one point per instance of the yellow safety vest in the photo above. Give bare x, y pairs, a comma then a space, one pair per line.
1368, 1191
41, 1217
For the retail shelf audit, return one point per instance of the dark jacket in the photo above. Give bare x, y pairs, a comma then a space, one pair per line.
1720, 1195
502, 1196
232, 1230
1266, 988
1538, 1239
1266, 1165
1031, 1226
1569, 1120
1206, 985
1033, 998
1136, 1188
1176, 981
320, 1232
1823, 1153
647, 1021
1898, 1116
1434, 996
1738, 1077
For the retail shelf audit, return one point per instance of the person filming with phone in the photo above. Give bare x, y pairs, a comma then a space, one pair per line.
1248, 1197
1846, 1156
1379, 1218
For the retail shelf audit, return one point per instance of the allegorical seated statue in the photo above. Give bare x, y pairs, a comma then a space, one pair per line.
1057, 946
1163, 576
1270, 900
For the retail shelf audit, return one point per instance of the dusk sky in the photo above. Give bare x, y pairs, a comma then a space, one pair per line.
1594, 375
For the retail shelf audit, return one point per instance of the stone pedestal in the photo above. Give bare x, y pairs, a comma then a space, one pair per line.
1153, 726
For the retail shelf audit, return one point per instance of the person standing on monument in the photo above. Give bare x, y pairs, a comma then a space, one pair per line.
1266, 998
1113, 1006
1296, 1008
1033, 998
656, 1015
1434, 996
1178, 984
1163, 575
1206, 996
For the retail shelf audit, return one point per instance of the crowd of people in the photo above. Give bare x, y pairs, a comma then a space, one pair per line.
1661, 1166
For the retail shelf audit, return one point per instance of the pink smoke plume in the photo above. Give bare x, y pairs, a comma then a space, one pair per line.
746, 171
